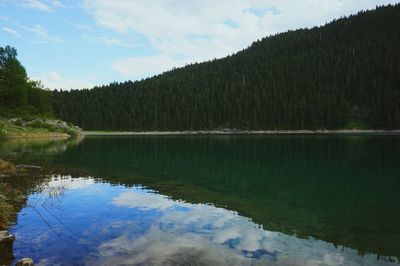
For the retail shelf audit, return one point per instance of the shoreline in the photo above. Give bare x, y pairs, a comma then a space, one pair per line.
243, 132
33, 136
36, 128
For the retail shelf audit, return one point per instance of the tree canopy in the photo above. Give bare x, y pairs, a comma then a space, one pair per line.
345, 74
18, 94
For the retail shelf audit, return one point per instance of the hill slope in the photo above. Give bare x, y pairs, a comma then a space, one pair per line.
345, 74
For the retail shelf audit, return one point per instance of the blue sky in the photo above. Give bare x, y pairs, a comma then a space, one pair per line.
82, 43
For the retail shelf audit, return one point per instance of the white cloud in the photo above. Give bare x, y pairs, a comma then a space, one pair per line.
41, 33
108, 41
83, 27
13, 32
54, 80
207, 29
57, 4
146, 66
35, 4
47, 6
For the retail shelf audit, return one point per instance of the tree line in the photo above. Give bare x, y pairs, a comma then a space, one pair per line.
20, 96
345, 74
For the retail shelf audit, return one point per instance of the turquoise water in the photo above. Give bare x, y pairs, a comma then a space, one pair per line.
223, 200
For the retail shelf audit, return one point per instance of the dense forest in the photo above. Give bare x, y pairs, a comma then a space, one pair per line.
345, 74
20, 96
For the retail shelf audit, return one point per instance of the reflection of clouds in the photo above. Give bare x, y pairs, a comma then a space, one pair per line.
185, 233
160, 248
101, 224
69, 183
143, 201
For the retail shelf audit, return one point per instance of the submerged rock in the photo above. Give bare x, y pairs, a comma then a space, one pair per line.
6, 247
25, 262
27, 166
6, 167
6, 236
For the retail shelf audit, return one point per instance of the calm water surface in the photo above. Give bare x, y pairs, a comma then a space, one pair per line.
223, 200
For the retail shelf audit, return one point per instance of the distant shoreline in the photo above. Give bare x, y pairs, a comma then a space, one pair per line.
243, 132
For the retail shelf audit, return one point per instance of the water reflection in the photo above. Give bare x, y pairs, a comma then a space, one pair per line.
35, 150
343, 190
72, 221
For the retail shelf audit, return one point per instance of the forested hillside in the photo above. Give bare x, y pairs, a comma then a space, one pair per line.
20, 96
345, 74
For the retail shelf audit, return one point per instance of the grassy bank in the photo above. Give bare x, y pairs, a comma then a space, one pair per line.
18, 128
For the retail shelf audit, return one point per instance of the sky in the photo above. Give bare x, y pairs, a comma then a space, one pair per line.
82, 43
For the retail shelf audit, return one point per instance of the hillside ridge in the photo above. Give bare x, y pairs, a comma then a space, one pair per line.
343, 75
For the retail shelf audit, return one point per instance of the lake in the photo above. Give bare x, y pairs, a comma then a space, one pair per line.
208, 200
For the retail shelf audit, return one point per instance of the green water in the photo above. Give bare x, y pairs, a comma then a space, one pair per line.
342, 190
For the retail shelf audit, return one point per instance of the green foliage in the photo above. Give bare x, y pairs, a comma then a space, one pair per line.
43, 125
18, 95
345, 73
2, 132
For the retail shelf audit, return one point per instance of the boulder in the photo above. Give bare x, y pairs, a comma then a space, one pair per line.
27, 166
6, 247
25, 262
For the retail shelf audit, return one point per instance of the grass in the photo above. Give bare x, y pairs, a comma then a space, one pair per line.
8, 129
36, 129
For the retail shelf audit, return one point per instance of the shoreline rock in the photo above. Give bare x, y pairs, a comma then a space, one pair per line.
28, 166
25, 262
6, 247
18, 128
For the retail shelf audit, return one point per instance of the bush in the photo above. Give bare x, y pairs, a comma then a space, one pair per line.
39, 124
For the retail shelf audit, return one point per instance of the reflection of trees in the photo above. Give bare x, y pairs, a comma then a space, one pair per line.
48, 203
331, 188
35, 150
6, 208
14, 192
16, 185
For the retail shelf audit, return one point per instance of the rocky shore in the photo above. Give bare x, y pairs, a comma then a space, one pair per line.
18, 128
9, 197
6, 247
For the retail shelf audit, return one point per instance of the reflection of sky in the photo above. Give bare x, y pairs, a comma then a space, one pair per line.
79, 221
